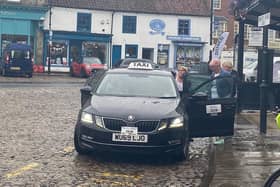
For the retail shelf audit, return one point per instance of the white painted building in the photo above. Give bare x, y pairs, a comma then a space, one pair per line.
167, 35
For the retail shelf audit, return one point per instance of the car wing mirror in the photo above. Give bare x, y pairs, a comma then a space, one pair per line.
85, 95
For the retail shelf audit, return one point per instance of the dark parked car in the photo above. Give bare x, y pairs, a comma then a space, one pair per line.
138, 109
17, 59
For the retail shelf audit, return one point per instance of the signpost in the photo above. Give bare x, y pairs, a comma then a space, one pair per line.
264, 21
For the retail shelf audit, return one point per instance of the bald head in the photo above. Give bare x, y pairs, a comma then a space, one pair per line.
215, 65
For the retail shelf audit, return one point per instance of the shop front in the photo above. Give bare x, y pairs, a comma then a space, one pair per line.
67, 47
188, 51
19, 24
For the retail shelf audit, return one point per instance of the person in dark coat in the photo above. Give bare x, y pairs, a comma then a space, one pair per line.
222, 87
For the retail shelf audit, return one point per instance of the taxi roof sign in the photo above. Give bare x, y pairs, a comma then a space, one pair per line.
140, 65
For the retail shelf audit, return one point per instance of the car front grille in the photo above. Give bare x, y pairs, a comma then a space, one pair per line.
143, 126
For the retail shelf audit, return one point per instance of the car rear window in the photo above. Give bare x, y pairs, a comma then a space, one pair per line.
20, 54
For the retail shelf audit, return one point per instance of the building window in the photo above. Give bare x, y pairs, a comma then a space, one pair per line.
129, 24
184, 27
277, 35
84, 22
217, 4
131, 51
236, 28
247, 31
220, 28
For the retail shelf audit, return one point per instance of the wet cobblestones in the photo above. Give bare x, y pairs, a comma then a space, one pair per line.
36, 139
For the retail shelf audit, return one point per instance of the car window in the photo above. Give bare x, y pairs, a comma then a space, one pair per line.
137, 85
20, 54
196, 80
91, 60
219, 87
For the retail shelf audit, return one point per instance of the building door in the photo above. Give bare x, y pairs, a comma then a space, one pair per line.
116, 55
148, 53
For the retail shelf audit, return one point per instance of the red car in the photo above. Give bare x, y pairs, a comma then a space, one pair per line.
84, 68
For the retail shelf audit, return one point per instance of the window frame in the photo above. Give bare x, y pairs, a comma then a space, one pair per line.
187, 29
217, 4
135, 47
129, 24
81, 25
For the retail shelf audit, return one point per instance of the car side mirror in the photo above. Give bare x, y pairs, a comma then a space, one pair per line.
85, 96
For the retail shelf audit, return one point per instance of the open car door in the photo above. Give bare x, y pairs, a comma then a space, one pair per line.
211, 107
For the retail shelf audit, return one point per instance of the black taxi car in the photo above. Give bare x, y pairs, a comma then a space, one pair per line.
138, 109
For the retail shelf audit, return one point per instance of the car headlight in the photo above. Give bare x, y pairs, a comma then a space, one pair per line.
86, 117
177, 122
163, 125
99, 121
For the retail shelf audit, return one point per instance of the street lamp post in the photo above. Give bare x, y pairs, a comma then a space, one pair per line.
50, 36
211, 28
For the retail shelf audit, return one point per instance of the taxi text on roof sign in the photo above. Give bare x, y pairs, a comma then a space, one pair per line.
140, 65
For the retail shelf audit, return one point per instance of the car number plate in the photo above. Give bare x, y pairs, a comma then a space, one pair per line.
139, 138
213, 109
15, 68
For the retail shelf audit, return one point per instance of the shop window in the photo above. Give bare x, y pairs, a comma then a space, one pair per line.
129, 24
59, 51
217, 4
163, 53
188, 55
84, 22
95, 49
184, 27
131, 51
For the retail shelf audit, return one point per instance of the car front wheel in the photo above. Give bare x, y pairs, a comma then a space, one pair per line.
79, 148
183, 153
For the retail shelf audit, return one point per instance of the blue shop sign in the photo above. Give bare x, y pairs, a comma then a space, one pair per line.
157, 26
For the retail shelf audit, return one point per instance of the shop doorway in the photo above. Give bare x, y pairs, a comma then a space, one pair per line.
148, 53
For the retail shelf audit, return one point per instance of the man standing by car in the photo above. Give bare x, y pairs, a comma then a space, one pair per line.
227, 66
221, 87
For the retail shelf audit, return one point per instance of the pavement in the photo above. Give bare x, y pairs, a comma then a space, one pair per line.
249, 157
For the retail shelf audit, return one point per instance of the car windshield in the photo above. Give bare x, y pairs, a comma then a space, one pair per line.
91, 60
137, 85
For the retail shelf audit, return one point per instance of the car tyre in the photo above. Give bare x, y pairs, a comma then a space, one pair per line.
183, 153
3, 72
83, 73
71, 72
29, 75
79, 148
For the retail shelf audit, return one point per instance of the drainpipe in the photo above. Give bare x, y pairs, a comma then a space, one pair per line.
111, 42
50, 36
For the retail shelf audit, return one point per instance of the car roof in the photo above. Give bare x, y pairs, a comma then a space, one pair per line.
138, 71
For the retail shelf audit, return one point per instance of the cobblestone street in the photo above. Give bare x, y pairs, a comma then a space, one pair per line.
36, 139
